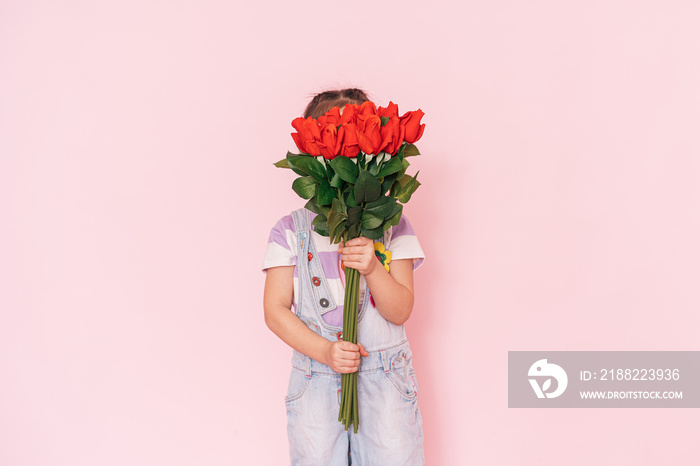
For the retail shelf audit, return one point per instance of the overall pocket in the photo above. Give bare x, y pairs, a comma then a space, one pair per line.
403, 376
298, 383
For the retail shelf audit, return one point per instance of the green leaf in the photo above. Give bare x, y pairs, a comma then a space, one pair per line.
336, 220
337, 231
367, 188
399, 184
354, 215
350, 197
382, 207
325, 194
339, 206
392, 166
373, 167
295, 170
405, 194
404, 167
320, 226
337, 181
373, 233
305, 187
388, 181
307, 164
385, 120
345, 168
313, 206
371, 220
338, 234
353, 231
410, 150
395, 216
395, 188
282, 164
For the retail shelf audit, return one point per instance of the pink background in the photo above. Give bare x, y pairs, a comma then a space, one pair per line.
559, 211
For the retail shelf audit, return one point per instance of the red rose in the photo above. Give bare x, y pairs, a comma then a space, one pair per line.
392, 135
366, 109
331, 116
329, 141
349, 114
347, 136
307, 136
392, 110
369, 133
411, 121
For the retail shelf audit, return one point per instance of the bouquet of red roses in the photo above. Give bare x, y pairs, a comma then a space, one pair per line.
352, 169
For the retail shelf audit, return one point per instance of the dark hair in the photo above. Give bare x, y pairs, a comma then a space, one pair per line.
325, 101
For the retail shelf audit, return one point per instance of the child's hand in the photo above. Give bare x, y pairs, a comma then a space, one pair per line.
344, 357
358, 253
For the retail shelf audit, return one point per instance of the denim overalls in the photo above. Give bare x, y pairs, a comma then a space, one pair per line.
390, 426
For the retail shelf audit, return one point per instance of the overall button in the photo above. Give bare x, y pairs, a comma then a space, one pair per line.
323, 302
316, 281
311, 256
339, 335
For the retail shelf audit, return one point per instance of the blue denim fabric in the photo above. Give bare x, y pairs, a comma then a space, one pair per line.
390, 426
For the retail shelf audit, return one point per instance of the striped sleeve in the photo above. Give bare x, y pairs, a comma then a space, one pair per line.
281, 245
404, 243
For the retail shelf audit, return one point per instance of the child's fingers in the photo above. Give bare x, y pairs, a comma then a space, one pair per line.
345, 369
359, 247
361, 241
348, 346
363, 351
352, 350
347, 357
351, 364
345, 366
352, 258
350, 355
355, 250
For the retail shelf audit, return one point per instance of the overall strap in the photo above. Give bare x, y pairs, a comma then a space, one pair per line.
312, 277
303, 231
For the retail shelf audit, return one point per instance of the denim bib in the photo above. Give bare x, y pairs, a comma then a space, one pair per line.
314, 297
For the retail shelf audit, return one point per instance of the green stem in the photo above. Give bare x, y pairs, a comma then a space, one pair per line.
355, 415
348, 405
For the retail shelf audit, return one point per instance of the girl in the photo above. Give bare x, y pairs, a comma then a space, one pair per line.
303, 271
